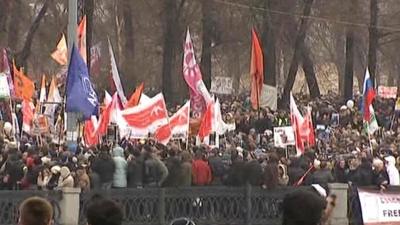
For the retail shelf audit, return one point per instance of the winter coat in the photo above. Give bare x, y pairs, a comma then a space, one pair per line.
135, 173
381, 178
322, 177
253, 173
121, 167
66, 179
174, 172
201, 173
104, 166
217, 169
295, 173
236, 176
392, 171
340, 174
14, 170
155, 172
362, 175
186, 174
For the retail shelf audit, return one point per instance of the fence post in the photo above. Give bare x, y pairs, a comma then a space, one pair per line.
69, 206
339, 215
161, 206
248, 204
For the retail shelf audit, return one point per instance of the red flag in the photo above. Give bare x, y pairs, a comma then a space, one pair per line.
256, 70
148, 116
178, 126
27, 115
105, 117
308, 134
90, 135
82, 39
23, 86
207, 121
296, 120
135, 98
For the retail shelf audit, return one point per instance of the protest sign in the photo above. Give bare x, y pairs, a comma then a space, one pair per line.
379, 208
283, 136
221, 85
387, 92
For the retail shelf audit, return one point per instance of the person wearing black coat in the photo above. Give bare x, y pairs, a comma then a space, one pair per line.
14, 171
254, 173
323, 176
135, 171
340, 172
295, 172
104, 166
236, 176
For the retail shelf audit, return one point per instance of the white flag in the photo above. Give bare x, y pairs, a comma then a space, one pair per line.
115, 75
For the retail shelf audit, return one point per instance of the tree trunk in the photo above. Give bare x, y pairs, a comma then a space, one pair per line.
129, 44
297, 52
308, 67
349, 65
23, 55
89, 9
268, 41
373, 39
14, 27
169, 47
207, 24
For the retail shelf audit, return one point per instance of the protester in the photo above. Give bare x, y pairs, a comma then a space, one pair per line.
35, 211
101, 211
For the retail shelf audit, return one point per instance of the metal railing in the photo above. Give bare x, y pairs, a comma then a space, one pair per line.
10, 201
205, 205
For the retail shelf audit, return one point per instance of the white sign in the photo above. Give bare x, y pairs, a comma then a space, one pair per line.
269, 97
283, 136
380, 208
387, 92
222, 85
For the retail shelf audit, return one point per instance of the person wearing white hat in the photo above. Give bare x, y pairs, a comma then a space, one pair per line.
392, 171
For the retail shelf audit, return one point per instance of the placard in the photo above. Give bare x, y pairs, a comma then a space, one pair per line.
387, 92
379, 208
283, 137
222, 85
4, 87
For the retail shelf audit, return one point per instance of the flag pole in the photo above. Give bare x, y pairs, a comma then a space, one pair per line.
258, 99
369, 139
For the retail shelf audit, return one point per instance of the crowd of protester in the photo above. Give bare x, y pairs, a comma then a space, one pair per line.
344, 153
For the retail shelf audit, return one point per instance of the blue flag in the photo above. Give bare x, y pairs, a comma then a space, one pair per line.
81, 96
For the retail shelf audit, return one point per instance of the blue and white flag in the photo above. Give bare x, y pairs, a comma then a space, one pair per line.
81, 96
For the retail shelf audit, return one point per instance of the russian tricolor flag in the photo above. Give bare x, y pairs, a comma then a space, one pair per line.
368, 96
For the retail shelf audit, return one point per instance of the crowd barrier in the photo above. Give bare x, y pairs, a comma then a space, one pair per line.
211, 205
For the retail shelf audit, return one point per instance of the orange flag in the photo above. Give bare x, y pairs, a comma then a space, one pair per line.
135, 98
61, 53
24, 87
82, 39
256, 70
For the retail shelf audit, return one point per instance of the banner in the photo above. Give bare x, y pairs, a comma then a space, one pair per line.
387, 92
221, 85
283, 137
379, 208
269, 97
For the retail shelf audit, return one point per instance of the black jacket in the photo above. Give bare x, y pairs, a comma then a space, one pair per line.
104, 167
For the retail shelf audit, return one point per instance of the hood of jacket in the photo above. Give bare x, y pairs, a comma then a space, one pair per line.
64, 172
118, 152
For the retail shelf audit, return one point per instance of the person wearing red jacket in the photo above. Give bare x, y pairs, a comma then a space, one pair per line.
201, 171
